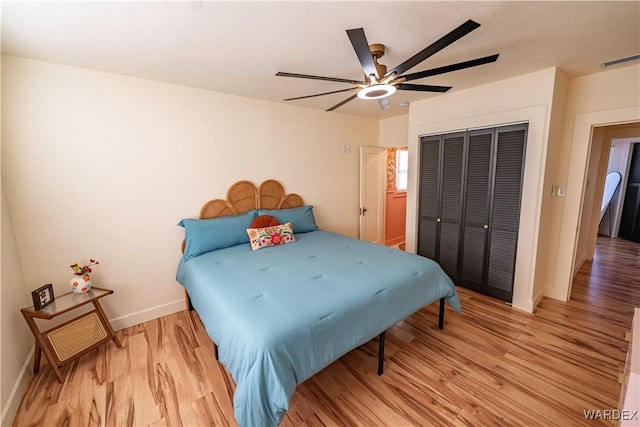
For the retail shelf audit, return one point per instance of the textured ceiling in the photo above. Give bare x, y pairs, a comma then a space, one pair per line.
237, 47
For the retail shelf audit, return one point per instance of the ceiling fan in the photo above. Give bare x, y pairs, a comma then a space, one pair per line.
380, 83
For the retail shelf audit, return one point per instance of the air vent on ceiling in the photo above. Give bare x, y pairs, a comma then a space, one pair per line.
620, 60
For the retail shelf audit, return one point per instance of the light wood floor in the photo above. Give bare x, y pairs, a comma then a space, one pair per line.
490, 366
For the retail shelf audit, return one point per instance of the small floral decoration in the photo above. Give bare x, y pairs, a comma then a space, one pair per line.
84, 270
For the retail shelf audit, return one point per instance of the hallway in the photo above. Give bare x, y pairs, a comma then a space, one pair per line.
610, 284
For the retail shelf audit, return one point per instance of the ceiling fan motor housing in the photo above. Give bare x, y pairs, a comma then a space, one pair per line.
377, 52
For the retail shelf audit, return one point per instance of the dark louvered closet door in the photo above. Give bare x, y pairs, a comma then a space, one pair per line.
469, 205
429, 196
476, 210
451, 203
505, 213
630, 221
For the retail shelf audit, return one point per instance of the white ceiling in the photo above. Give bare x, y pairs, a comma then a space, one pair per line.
237, 47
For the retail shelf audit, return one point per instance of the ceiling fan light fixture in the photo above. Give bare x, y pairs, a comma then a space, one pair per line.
377, 91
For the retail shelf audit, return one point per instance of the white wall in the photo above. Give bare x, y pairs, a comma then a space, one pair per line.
602, 99
551, 204
525, 98
17, 342
103, 166
394, 131
592, 197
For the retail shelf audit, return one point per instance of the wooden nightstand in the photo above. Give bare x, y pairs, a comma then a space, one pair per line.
65, 343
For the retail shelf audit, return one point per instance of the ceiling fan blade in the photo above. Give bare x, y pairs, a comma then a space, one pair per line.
319, 94
450, 68
422, 88
435, 47
307, 76
384, 103
361, 46
351, 98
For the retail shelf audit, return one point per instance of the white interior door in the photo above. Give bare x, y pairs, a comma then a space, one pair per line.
372, 192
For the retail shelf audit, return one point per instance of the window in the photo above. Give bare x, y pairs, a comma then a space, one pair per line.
402, 169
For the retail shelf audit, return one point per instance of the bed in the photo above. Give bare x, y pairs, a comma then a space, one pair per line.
280, 313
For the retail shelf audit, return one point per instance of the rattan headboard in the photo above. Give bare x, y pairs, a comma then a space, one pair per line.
243, 196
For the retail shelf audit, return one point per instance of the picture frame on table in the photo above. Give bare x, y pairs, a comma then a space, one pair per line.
43, 296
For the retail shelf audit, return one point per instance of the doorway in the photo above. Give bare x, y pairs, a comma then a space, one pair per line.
395, 220
610, 152
372, 194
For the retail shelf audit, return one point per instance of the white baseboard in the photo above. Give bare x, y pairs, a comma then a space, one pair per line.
538, 297
530, 305
556, 294
147, 314
578, 264
394, 241
17, 392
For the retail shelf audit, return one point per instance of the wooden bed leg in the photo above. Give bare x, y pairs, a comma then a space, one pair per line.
215, 350
441, 315
381, 353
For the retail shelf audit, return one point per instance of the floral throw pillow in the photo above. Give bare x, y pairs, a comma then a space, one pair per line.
270, 236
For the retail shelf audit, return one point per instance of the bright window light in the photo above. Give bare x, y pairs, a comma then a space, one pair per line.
402, 169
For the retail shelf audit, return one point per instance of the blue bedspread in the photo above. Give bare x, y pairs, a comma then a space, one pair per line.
281, 314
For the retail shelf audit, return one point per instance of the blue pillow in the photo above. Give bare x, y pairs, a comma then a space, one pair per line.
301, 218
205, 235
